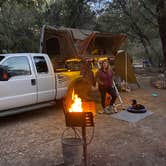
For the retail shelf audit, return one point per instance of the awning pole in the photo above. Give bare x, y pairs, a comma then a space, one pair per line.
126, 64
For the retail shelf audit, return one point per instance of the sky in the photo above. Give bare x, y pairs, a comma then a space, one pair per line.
99, 5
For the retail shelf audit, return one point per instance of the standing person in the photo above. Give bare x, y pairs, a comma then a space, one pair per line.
104, 78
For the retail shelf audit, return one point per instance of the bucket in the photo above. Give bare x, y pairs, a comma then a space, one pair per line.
72, 151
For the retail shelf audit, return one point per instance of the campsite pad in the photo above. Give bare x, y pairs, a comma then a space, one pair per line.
131, 117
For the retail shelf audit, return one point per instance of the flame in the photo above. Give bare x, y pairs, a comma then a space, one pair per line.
77, 103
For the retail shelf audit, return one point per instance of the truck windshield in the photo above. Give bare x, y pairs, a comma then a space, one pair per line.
73, 65
1, 57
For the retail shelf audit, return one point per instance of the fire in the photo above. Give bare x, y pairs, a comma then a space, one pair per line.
77, 103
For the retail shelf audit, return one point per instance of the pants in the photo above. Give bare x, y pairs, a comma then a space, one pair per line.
103, 92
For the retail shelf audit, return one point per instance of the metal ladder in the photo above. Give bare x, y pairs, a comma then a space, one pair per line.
120, 99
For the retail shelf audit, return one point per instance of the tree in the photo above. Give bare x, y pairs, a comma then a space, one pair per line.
161, 16
71, 13
136, 18
19, 26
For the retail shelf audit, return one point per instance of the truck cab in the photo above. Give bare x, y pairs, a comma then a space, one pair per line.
28, 79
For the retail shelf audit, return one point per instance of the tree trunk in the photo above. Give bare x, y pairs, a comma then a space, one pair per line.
146, 50
161, 11
136, 28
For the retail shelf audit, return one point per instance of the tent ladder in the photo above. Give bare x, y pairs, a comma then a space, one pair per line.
119, 97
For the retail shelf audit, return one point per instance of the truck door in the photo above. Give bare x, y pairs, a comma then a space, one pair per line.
20, 89
45, 79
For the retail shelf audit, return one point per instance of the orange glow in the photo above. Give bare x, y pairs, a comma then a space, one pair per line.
77, 103
5, 76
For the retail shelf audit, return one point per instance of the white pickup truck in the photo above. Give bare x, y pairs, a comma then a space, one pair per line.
28, 81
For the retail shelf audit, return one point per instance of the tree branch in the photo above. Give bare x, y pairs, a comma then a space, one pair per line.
147, 8
148, 20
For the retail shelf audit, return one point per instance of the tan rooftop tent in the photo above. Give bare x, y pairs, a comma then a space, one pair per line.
69, 42
108, 42
57, 42
64, 43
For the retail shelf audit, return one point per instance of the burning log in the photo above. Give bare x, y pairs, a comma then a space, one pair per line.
81, 88
80, 114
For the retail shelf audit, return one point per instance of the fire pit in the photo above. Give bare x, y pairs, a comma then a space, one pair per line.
80, 114
79, 119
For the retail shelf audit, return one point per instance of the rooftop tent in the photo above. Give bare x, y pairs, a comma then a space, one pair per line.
57, 42
69, 42
106, 41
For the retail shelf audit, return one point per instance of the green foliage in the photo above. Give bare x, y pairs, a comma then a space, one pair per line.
136, 18
19, 27
54, 14
21, 21
70, 13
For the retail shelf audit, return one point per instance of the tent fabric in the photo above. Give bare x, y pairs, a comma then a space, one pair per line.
106, 41
120, 68
83, 45
77, 34
66, 43
76, 42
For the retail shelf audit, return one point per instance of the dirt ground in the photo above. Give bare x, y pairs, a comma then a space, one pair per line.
34, 138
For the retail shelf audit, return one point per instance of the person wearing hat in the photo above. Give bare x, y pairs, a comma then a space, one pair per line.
104, 78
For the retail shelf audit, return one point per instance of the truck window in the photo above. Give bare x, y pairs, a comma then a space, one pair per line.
41, 65
73, 65
1, 57
17, 66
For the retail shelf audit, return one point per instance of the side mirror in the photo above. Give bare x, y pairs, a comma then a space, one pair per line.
4, 76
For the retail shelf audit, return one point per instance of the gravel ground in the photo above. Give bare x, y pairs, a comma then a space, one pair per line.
34, 138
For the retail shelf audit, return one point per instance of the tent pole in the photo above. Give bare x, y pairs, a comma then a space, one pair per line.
126, 64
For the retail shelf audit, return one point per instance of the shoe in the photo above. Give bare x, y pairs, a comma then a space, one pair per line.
115, 109
101, 112
107, 110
